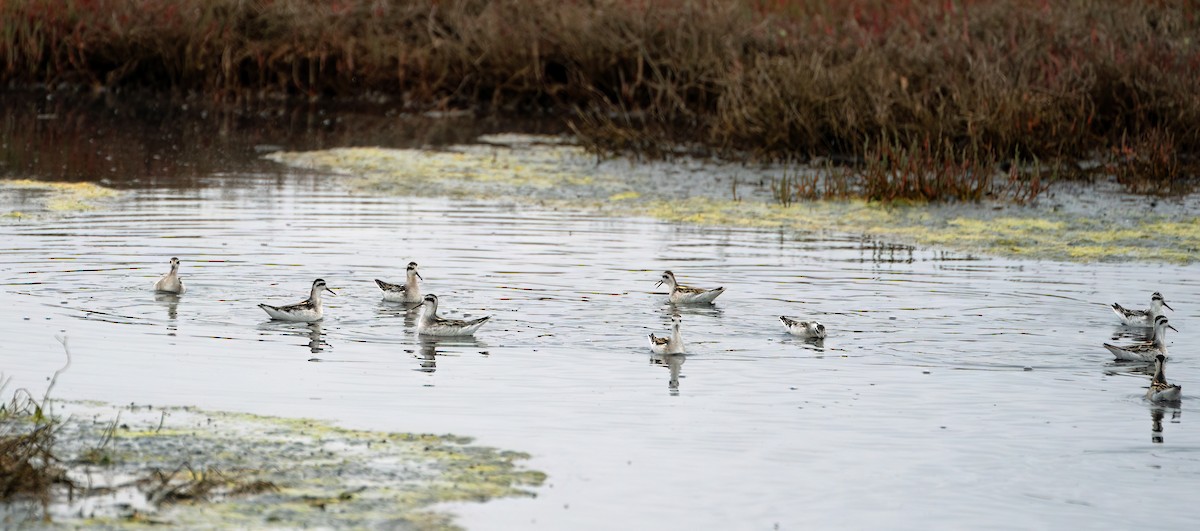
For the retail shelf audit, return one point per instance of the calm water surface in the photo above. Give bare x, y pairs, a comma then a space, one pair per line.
952, 392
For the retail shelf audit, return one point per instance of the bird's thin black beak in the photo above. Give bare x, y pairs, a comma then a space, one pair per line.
418, 274
657, 284
414, 306
1167, 306
330, 291
1172, 328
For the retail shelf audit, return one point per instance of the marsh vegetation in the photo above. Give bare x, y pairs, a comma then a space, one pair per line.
919, 100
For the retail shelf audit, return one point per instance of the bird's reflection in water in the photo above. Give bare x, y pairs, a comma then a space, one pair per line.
427, 356
673, 362
408, 310
816, 344
171, 301
316, 339
312, 332
1129, 368
1156, 418
705, 310
1132, 333
429, 348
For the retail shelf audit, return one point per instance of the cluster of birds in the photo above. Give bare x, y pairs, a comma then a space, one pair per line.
430, 323
1154, 350
680, 294
310, 310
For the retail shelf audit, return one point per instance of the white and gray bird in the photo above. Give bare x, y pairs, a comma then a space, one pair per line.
1145, 351
1142, 317
681, 294
409, 291
430, 324
171, 282
805, 329
304, 312
672, 344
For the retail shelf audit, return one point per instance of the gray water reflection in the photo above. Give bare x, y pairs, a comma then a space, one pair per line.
949, 390
430, 349
170, 301
673, 363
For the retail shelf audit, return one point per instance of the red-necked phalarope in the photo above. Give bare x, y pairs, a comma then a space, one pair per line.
668, 345
410, 291
170, 282
1145, 351
681, 294
1160, 390
806, 329
1142, 317
306, 312
432, 325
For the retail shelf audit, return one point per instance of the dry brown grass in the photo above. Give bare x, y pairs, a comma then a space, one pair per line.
978, 81
29, 466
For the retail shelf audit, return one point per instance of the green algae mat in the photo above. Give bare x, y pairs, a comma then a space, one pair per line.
181, 467
23, 198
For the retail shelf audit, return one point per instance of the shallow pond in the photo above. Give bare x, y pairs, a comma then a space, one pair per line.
953, 391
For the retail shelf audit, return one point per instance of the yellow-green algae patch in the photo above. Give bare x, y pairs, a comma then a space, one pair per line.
50, 197
1061, 239
550, 172
477, 171
189, 468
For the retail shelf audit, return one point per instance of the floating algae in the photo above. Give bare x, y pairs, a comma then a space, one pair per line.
21, 198
550, 171
189, 468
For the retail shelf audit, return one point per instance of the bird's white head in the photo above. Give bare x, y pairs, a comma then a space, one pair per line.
319, 287
668, 278
1156, 300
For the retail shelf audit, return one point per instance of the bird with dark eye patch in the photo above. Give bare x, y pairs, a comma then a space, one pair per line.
430, 324
1142, 317
672, 344
805, 329
303, 312
681, 294
1144, 351
409, 291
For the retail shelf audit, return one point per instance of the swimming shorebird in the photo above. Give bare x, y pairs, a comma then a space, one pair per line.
1142, 317
306, 312
170, 282
1145, 351
668, 345
805, 329
410, 291
1160, 390
430, 324
681, 294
